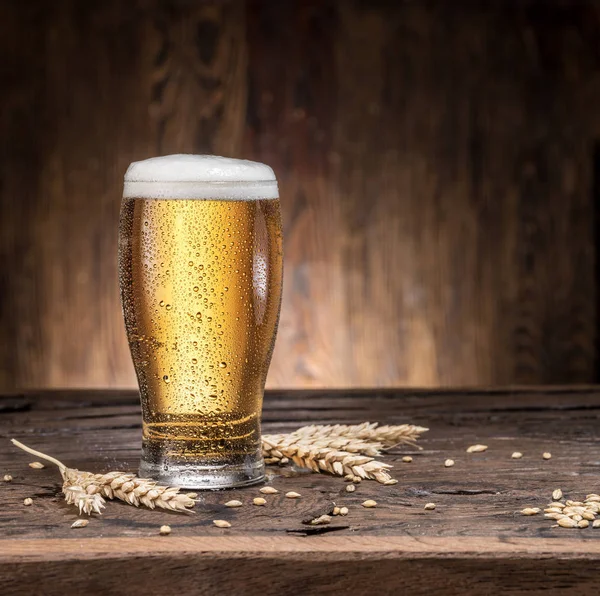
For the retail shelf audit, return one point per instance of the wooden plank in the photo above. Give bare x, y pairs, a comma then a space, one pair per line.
475, 541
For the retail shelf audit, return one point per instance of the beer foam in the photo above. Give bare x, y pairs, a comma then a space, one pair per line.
186, 176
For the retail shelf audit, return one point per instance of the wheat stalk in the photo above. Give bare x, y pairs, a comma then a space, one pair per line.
387, 435
88, 491
340, 449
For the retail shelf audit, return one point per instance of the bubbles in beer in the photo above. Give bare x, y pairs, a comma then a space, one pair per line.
192, 287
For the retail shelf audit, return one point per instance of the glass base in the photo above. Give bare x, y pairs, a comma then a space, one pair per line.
205, 474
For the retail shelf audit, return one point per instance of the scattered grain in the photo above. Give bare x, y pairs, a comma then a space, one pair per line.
407, 459
164, 530
7, 478
344, 511
557, 495
449, 463
530, 511
390, 482
292, 495
28, 501
546, 455
36, 465
349, 477
588, 515
583, 523
233, 503
221, 523
336, 511
350, 488
192, 495
429, 507
80, 523
477, 448
259, 501
596, 523
517, 455
556, 504
268, 490
357, 479
369, 503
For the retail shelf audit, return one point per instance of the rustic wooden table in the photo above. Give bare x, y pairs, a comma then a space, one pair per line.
475, 542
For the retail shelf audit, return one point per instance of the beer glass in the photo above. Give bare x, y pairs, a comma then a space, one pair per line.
200, 271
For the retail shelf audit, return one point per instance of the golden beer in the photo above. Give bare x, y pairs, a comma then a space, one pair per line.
201, 286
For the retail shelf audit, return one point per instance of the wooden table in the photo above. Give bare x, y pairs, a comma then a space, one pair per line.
475, 542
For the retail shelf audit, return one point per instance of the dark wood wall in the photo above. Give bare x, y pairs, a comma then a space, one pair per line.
435, 159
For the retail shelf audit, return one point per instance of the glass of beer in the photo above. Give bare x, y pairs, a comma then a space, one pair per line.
200, 271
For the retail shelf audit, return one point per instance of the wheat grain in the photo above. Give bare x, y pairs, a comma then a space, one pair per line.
557, 495
517, 455
429, 507
28, 501
583, 523
350, 488
80, 523
530, 511
321, 520
596, 523
164, 530
88, 491
343, 510
7, 478
547, 455
268, 490
407, 459
336, 511
36, 465
292, 495
369, 504
566, 522
259, 501
221, 523
233, 503
477, 448
449, 463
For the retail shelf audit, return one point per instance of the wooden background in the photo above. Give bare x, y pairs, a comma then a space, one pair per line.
439, 166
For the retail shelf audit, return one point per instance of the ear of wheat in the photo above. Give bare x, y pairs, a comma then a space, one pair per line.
89, 491
340, 449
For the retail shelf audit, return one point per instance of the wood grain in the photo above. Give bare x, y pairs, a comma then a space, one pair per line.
475, 541
436, 167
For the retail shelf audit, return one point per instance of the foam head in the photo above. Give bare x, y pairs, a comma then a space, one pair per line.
200, 177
